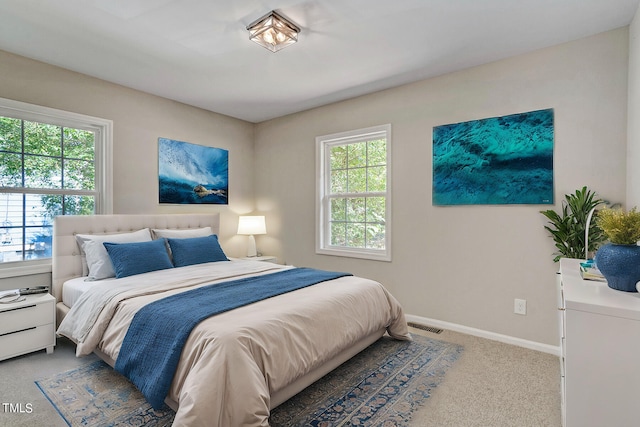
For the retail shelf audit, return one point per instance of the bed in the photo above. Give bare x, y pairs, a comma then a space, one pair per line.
236, 365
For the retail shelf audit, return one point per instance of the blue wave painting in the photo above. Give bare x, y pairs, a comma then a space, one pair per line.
192, 174
500, 160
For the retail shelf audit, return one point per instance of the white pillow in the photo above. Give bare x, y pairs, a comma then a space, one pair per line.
98, 262
182, 234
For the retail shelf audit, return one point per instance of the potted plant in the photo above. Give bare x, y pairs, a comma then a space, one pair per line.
568, 228
619, 260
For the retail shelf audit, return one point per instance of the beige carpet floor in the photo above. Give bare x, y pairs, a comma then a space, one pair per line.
494, 385
491, 385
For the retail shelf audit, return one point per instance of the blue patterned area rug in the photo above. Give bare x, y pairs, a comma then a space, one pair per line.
381, 386
96, 395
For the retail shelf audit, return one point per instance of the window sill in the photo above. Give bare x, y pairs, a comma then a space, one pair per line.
363, 254
24, 270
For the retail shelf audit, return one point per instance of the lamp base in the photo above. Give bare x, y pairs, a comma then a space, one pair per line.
251, 249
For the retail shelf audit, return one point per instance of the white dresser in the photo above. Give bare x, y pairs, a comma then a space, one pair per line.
27, 325
600, 351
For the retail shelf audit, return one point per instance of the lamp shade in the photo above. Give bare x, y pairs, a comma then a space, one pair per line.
251, 225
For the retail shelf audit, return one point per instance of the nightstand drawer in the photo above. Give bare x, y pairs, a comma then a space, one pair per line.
26, 341
25, 316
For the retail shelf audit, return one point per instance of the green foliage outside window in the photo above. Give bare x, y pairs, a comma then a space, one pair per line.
357, 186
45, 170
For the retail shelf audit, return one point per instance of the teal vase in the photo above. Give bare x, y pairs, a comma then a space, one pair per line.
620, 265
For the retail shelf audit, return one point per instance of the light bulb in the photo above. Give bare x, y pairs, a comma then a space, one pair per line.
268, 37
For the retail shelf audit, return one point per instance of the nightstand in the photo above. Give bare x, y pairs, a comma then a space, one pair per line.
27, 326
265, 258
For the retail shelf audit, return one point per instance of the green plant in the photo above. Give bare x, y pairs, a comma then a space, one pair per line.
622, 228
568, 227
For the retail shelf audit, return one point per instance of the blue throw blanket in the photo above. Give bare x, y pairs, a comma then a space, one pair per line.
151, 348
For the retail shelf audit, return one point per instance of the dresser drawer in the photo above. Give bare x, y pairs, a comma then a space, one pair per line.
25, 316
26, 341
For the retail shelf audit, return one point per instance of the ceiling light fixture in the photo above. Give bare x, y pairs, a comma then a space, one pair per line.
273, 31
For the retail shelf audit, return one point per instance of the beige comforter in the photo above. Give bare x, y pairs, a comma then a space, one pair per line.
233, 362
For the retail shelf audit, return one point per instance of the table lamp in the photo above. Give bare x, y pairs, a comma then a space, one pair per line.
250, 226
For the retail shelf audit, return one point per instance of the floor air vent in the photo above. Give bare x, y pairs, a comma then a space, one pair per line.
425, 327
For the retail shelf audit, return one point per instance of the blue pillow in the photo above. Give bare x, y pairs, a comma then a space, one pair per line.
196, 250
139, 257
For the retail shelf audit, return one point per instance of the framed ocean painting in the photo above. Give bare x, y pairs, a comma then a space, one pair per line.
192, 174
499, 160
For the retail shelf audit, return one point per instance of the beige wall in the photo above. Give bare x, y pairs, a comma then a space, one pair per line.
138, 120
633, 113
463, 265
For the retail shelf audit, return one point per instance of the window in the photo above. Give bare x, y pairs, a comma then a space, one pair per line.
354, 196
52, 163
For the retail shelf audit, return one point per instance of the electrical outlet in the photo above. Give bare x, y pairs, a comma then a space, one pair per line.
520, 306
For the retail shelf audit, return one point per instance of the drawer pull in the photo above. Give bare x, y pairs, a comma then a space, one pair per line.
18, 308
17, 332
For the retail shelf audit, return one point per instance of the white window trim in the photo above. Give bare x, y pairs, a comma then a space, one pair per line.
103, 129
323, 143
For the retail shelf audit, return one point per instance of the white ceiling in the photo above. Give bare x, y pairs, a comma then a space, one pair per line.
198, 51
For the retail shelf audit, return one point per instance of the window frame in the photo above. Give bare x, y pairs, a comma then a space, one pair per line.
323, 199
103, 160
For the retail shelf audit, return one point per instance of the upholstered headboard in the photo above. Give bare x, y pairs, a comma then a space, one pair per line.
67, 261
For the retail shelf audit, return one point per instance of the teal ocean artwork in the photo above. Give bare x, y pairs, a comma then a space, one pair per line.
499, 160
192, 174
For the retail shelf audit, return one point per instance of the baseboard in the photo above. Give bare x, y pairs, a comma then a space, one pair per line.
532, 345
